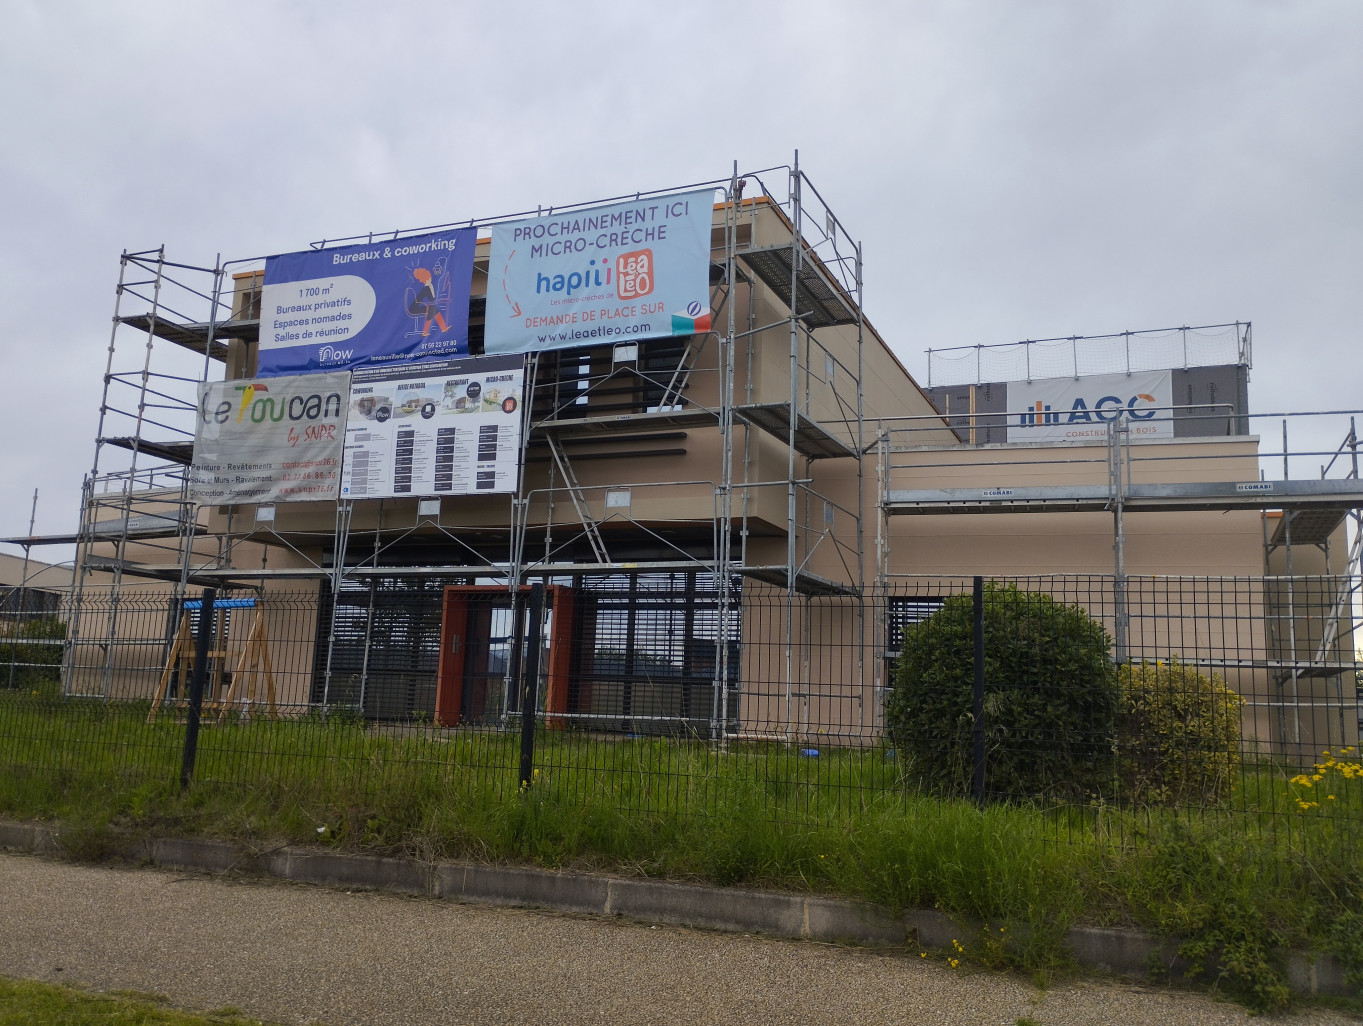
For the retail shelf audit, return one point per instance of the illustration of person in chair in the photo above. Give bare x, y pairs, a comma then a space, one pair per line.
427, 303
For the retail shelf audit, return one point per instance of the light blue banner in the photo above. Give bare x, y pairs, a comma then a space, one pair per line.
633, 270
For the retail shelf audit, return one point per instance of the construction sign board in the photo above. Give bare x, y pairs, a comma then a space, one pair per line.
639, 269
451, 427
374, 304
269, 440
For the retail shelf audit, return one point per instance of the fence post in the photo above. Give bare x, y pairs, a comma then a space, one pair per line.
530, 690
977, 730
196, 687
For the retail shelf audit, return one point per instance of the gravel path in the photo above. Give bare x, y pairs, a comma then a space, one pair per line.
303, 955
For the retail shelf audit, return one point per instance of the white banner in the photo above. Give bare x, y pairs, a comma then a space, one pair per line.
269, 440
639, 269
451, 427
1079, 410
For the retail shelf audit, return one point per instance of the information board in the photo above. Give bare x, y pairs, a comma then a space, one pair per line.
451, 427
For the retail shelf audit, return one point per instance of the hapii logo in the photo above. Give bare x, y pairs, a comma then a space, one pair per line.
589, 278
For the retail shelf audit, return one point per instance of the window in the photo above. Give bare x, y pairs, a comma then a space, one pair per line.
902, 612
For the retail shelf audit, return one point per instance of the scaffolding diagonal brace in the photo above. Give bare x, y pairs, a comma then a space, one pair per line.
672, 394
589, 525
1343, 601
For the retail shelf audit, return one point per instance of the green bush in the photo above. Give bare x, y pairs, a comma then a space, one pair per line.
33, 649
1178, 737
1050, 704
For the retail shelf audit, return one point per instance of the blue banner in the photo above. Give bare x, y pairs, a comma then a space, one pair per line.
374, 304
639, 269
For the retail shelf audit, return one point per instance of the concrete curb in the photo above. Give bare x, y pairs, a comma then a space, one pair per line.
803, 917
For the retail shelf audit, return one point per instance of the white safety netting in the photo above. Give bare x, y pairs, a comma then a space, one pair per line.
1080, 356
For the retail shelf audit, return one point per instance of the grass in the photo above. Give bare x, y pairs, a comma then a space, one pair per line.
1235, 884
25, 1003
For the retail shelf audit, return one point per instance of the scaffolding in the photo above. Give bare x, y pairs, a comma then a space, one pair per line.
136, 517
1310, 616
782, 266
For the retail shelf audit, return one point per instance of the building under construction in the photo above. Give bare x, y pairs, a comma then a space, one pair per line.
734, 525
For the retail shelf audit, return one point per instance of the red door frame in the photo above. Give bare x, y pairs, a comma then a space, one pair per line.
449, 687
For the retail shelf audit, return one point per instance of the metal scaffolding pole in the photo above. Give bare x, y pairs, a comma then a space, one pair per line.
121, 545
867, 710
189, 511
795, 256
85, 532
369, 618
724, 574
23, 590
344, 511
1118, 438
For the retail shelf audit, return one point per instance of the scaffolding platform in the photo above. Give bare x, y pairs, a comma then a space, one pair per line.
805, 583
151, 571
578, 427
482, 570
1309, 526
812, 440
1330, 496
140, 527
819, 302
194, 335
172, 452
218, 575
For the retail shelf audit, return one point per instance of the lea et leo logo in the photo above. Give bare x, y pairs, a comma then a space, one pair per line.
634, 274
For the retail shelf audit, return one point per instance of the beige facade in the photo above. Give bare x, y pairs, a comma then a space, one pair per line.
17, 572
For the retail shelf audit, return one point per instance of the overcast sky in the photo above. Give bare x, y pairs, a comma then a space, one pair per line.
1013, 169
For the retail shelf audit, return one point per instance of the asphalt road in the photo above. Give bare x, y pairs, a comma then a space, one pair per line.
300, 954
